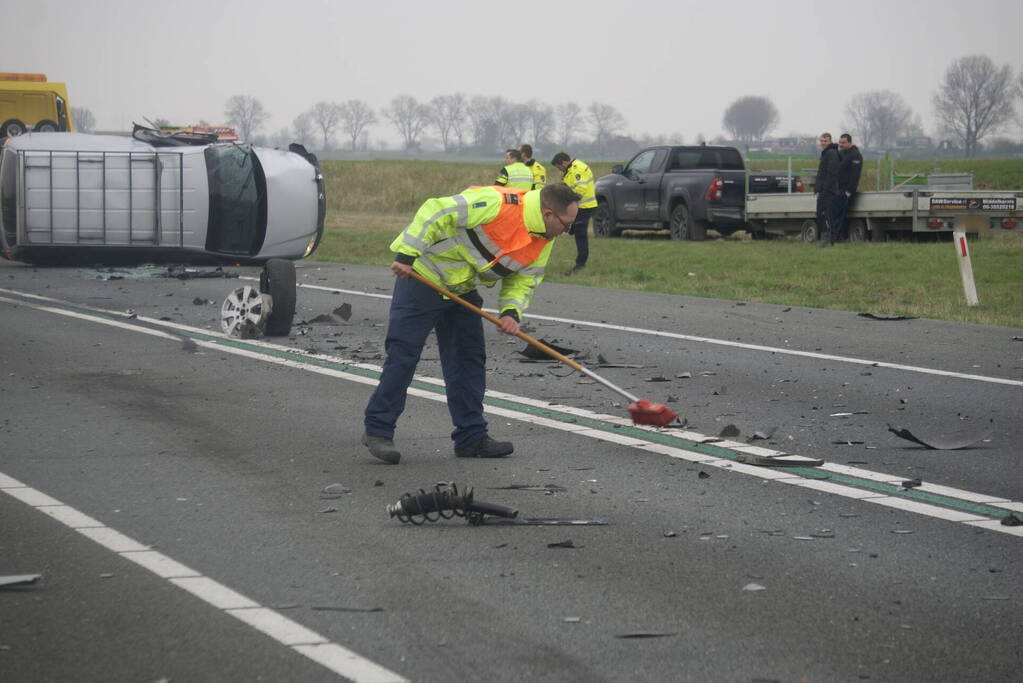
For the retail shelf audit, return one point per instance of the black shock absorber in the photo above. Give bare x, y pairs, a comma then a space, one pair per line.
444, 502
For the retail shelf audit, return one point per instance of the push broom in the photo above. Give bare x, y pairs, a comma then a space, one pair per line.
642, 411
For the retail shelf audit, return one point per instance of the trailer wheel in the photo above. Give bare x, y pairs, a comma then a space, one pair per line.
857, 231
12, 128
46, 126
278, 280
809, 232
604, 224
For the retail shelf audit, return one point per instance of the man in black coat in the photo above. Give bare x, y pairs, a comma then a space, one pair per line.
826, 187
850, 165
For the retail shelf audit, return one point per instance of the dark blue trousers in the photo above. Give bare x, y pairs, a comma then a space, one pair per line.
415, 311
581, 230
841, 215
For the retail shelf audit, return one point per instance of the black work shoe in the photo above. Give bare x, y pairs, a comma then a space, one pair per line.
485, 448
575, 269
382, 448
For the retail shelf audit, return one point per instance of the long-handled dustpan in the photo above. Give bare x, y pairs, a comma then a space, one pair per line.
642, 411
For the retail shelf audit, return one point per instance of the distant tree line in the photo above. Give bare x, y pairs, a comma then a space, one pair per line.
975, 99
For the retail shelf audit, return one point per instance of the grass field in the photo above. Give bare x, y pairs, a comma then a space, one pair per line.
369, 203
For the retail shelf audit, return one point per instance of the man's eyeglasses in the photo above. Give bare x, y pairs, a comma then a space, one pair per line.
566, 226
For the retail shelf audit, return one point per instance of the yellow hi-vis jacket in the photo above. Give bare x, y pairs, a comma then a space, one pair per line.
579, 177
539, 173
517, 176
484, 234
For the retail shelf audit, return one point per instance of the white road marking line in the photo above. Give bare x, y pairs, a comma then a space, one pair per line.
160, 564
302, 640
916, 506
675, 452
720, 342
277, 627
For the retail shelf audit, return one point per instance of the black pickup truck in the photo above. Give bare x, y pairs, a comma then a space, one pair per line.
684, 189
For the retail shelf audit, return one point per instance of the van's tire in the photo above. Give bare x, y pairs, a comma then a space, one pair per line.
12, 128
809, 232
858, 231
278, 280
46, 126
683, 227
604, 224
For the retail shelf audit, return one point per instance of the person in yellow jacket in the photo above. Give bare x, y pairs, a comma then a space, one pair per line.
482, 235
515, 174
579, 177
539, 172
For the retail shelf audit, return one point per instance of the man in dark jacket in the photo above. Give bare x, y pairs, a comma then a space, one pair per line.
826, 187
850, 165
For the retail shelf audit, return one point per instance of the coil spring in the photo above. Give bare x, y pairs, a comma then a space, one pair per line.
443, 502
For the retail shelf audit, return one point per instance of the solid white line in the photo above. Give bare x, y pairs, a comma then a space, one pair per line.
722, 342
302, 640
674, 452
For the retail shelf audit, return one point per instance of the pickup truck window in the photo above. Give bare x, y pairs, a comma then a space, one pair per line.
685, 158
641, 163
706, 158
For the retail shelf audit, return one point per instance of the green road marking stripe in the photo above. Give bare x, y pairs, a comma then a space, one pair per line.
665, 438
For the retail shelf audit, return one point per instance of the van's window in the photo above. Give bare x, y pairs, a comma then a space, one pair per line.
237, 223
9, 194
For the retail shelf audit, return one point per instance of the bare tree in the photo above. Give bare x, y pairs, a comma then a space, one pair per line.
541, 121
83, 119
569, 123
409, 117
974, 99
606, 121
487, 119
750, 118
356, 117
878, 117
516, 119
447, 114
245, 113
303, 126
326, 116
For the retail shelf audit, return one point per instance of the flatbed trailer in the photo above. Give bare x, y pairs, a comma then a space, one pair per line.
879, 216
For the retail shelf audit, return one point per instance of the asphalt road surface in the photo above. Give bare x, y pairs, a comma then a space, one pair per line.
167, 483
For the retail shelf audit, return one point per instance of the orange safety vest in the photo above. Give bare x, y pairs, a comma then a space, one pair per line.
505, 242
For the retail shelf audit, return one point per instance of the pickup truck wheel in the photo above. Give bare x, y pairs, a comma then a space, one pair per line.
604, 224
857, 231
681, 224
278, 280
809, 232
12, 128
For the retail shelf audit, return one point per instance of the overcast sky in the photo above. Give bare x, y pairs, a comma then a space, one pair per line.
669, 66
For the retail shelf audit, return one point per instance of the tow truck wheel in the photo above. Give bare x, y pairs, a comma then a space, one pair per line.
809, 232
857, 231
12, 128
278, 280
46, 126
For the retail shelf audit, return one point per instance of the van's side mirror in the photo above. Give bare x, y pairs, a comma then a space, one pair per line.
617, 169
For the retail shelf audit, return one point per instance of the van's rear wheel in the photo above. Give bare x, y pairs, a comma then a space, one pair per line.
12, 128
46, 126
278, 280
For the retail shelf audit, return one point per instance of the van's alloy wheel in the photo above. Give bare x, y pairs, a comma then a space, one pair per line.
245, 312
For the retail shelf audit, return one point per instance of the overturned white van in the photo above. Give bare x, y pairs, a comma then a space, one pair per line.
155, 195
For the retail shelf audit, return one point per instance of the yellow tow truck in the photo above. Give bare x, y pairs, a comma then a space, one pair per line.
28, 102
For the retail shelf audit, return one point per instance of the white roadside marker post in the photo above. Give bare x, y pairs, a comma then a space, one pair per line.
965, 268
